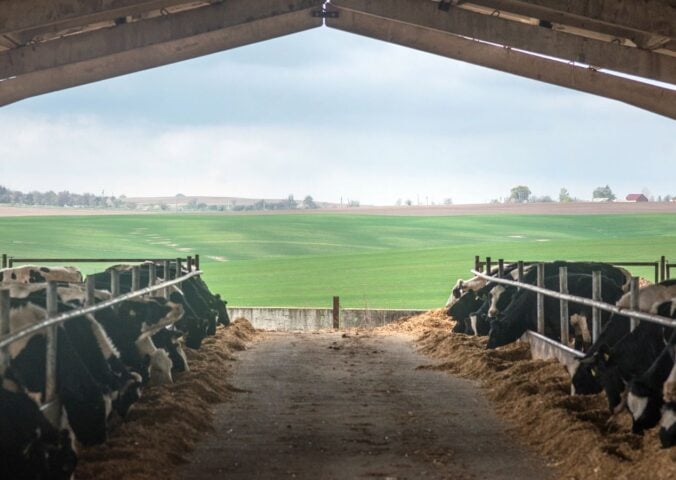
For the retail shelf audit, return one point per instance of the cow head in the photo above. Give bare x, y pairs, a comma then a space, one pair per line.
584, 378
222, 309
668, 425
501, 333
611, 380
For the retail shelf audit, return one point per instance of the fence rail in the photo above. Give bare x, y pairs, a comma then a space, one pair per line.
661, 267
8, 261
51, 405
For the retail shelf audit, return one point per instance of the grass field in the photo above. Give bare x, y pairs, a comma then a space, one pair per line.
370, 261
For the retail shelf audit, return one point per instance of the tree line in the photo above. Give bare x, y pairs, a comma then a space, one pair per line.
61, 199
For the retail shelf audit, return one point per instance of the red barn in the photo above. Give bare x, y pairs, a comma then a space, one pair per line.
636, 197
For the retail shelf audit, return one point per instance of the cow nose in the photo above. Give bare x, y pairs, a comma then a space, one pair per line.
492, 312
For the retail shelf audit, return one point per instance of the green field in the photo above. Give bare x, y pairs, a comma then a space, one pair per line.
369, 261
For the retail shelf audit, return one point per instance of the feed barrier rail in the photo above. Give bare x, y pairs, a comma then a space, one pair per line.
564, 297
51, 406
661, 267
8, 261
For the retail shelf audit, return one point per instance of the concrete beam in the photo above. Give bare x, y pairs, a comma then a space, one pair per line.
646, 16
110, 41
20, 15
543, 41
143, 55
652, 98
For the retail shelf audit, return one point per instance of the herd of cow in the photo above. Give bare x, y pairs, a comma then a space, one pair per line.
104, 360
635, 368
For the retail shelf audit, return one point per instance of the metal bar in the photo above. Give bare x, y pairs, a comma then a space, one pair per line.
114, 283
663, 268
634, 300
197, 261
87, 260
179, 267
520, 271
4, 260
541, 298
619, 264
152, 274
336, 312
189, 263
477, 262
556, 344
90, 286
135, 278
58, 319
4, 325
597, 288
501, 267
489, 265
565, 318
166, 265
657, 272
51, 338
667, 322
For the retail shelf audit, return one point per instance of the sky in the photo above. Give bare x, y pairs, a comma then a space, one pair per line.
332, 115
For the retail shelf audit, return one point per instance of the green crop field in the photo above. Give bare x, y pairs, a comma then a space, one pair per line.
369, 261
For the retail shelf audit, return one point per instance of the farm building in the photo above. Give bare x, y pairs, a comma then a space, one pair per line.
636, 197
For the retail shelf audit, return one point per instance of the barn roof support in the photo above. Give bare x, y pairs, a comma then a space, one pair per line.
533, 38
642, 95
128, 48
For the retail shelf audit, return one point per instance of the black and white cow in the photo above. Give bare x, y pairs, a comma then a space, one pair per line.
521, 314
30, 447
646, 391
38, 274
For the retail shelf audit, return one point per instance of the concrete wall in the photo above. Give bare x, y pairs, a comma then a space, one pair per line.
311, 319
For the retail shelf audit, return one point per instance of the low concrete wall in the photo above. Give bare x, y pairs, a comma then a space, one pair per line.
311, 319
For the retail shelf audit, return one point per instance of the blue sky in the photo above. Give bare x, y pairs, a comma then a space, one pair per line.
332, 115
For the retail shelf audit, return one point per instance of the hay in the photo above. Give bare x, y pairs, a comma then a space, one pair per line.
168, 420
576, 433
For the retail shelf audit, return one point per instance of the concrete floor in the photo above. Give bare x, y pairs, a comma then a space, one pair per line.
324, 406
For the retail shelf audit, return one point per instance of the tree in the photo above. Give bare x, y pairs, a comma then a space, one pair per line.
520, 194
398, 202
564, 196
291, 203
603, 192
408, 202
448, 201
308, 202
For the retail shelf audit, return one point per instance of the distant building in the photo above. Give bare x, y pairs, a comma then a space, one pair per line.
601, 199
636, 197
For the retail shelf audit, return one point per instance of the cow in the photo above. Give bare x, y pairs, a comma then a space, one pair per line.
631, 356
169, 340
651, 295
30, 447
646, 397
521, 315
461, 310
37, 274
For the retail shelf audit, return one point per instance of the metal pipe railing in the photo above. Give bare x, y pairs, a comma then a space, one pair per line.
667, 322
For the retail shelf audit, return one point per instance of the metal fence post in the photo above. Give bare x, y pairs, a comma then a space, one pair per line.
135, 278
657, 272
489, 266
565, 318
4, 324
634, 297
90, 285
4, 260
477, 263
520, 272
336, 312
166, 266
541, 298
114, 283
596, 312
501, 267
152, 274
197, 261
179, 266
51, 337
663, 268
189, 263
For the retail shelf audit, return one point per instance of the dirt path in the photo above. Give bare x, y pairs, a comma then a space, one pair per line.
321, 406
